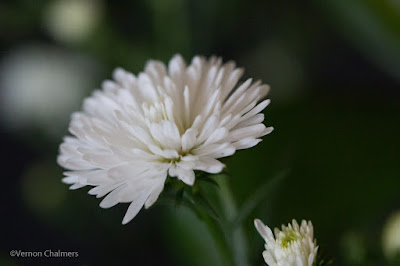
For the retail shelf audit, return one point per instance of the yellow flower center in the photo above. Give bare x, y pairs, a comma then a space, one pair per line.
285, 239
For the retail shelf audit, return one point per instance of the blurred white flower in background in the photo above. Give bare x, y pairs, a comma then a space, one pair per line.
173, 120
391, 237
72, 21
294, 245
41, 85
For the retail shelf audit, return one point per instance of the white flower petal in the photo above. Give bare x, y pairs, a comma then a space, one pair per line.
187, 176
215, 150
135, 207
237, 94
76, 163
256, 119
189, 139
164, 135
133, 170
102, 190
269, 259
232, 81
113, 198
77, 186
70, 179
208, 128
102, 159
165, 153
209, 165
156, 70
90, 177
155, 192
264, 230
146, 88
246, 143
250, 131
261, 106
216, 136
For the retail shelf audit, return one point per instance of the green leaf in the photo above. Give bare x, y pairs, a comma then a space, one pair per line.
324, 263
373, 26
208, 179
247, 208
200, 201
179, 197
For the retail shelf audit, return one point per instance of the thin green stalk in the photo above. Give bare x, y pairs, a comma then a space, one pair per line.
220, 240
229, 236
235, 234
206, 213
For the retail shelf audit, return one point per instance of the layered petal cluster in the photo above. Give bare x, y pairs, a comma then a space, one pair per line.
168, 120
294, 245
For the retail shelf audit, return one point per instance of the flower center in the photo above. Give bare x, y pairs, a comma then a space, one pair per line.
285, 239
156, 111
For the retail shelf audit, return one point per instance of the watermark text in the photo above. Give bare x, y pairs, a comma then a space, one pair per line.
48, 253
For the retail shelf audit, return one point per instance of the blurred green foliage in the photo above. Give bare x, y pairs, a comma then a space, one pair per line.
374, 26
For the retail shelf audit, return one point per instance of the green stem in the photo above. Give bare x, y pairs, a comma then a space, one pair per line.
228, 235
234, 234
214, 225
221, 241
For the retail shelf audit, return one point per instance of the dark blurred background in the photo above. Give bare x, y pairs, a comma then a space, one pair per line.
334, 69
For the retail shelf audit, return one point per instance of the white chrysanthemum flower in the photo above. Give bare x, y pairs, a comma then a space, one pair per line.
292, 246
138, 129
